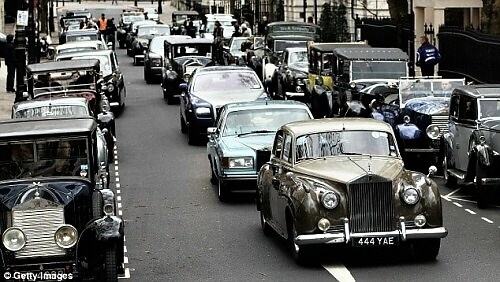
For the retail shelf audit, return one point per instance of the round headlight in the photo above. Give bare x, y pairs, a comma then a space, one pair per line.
433, 131
411, 196
13, 239
111, 87
323, 224
352, 84
406, 119
202, 111
298, 88
66, 236
330, 200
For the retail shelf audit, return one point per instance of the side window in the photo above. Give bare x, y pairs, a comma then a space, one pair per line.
278, 144
454, 102
285, 57
287, 149
467, 111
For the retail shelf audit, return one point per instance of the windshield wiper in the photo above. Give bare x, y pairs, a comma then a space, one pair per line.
255, 132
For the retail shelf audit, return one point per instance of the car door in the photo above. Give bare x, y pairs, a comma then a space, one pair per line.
452, 130
284, 185
213, 144
272, 190
467, 116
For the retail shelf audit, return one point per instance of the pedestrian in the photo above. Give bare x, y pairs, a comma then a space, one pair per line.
111, 30
236, 32
191, 29
263, 26
114, 2
10, 62
310, 20
103, 26
427, 57
218, 41
245, 32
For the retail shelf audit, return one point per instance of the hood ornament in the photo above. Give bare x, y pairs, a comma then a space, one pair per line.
369, 172
37, 185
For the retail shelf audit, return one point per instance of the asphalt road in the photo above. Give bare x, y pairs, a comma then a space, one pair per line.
176, 229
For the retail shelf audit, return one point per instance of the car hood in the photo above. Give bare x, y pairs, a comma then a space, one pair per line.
346, 169
301, 68
246, 145
429, 105
220, 98
60, 191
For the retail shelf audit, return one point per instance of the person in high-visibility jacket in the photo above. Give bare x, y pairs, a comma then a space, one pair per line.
103, 26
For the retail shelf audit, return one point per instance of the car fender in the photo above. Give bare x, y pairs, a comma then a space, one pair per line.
108, 228
408, 131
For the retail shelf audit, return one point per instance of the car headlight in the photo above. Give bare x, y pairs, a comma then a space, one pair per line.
156, 61
111, 87
202, 111
238, 162
409, 194
171, 75
13, 239
330, 200
433, 131
66, 236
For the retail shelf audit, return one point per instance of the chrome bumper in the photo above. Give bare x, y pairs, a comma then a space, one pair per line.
295, 94
431, 150
490, 181
346, 237
239, 177
114, 104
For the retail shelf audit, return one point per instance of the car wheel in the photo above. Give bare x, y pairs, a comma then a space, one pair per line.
426, 249
183, 125
110, 271
301, 254
450, 180
213, 177
147, 78
482, 195
223, 191
266, 229
193, 136
170, 99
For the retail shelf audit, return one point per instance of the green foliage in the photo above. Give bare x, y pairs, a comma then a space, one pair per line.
333, 22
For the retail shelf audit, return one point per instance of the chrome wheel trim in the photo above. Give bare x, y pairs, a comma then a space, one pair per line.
445, 168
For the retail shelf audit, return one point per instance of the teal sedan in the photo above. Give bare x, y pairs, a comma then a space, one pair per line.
242, 129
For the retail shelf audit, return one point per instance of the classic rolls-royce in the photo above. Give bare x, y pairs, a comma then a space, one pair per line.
472, 144
241, 130
57, 216
342, 181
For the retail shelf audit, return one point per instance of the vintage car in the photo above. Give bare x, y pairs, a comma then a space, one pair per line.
319, 83
130, 36
79, 35
290, 77
68, 21
242, 129
322, 186
226, 21
208, 90
57, 214
153, 58
182, 56
79, 46
125, 25
151, 14
419, 116
179, 17
144, 35
112, 84
233, 53
472, 144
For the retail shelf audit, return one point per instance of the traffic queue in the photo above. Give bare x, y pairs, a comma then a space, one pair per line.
323, 133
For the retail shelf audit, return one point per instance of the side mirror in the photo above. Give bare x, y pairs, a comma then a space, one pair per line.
212, 130
183, 87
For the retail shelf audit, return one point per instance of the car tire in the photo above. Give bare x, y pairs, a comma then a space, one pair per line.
481, 191
426, 249
213, 177
193, 135
110, 271
183, 124
449, 180
223, 191
301, 254
266, 228
147, 77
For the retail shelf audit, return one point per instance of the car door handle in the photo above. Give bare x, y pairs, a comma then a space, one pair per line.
276, 183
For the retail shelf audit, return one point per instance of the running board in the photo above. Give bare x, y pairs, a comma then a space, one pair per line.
456, 173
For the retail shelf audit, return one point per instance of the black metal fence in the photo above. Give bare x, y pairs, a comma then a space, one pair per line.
470, 54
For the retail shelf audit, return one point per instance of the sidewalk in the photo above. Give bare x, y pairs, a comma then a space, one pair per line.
6, 99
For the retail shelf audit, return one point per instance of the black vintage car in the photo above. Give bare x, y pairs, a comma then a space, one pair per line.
290, 77
179, 17
182, 57
472, 144
130, 37
143, 37
127, 18
56, 215
112, 83
79, 35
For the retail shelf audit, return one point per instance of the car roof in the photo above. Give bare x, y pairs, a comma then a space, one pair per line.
188, 13
153, 25
276, 104
85, 53
336, 124
54, 101
329, 47
480, 90
60, 66
46, 126
165, 37
223, 68
178, 40
75, 44
377, 54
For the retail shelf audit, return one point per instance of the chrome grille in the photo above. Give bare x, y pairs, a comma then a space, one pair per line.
371, 207
441, 122
39, 226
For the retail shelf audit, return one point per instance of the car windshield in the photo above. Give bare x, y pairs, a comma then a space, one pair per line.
420, 88
226, 81
42, 158
104, 61
298, 57
281, 45
133, 18
266, 120
236, 44
76, 49
52, 111
153, 30
489, 108
379, 70
335, 143
191, 50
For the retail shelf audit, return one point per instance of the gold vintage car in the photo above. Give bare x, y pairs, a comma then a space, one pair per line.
342, 181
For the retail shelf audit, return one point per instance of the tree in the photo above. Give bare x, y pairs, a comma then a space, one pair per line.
342, 29
398, 10
326, 22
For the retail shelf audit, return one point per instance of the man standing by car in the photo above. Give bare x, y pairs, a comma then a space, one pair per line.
111, 30
427, 57
218, 41
10, 62
103, 26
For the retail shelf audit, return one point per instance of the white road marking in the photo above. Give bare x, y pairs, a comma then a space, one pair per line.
453, 192
340, 272
487, 220
119, 198
124, 249
116, 162
118, 191
117, 173
126, 275
119, 205
457, 204
470, 211
125, 259
117, 185
120, 213
462, 200
117, 179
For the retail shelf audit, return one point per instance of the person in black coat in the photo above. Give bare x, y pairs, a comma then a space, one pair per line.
10, 62
427, 57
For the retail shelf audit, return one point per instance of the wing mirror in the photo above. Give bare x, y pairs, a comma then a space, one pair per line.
183, 87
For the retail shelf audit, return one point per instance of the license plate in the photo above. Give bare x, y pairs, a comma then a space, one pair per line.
375, 241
